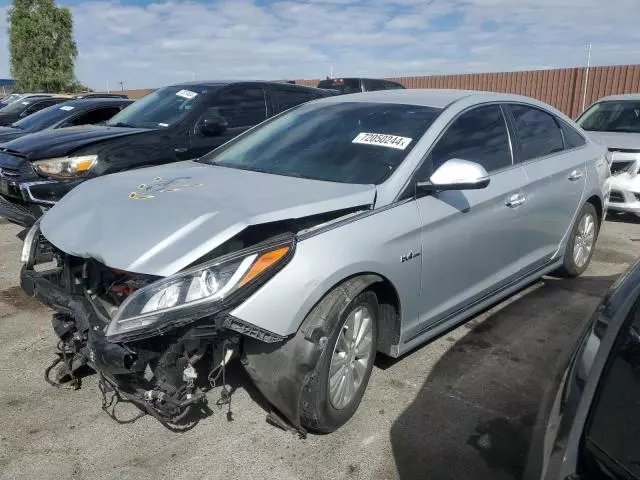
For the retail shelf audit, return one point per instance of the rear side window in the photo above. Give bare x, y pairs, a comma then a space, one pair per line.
572, 138
95, 116
480, 136
242, 107
290, 98
537, 131
343, 85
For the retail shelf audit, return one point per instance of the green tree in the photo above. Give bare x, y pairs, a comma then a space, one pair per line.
42, 48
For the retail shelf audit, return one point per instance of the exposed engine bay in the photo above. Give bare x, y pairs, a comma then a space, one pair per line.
164, 361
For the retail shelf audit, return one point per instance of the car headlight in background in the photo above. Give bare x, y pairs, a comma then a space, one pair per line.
196, 293
66, 167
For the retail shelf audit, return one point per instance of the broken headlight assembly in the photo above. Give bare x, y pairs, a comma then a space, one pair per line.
196, 293
66, 168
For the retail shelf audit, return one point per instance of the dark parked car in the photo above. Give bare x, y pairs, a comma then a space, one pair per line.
101, 95
589, 425
68, 114
354, 85
23, 108
178, 122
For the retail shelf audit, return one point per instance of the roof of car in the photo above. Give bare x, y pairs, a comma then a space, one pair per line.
85, 102
438, 98
626, 96
222, 83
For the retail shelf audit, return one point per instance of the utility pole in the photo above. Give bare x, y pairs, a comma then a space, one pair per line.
586, 80
108, 89
331, 71
121, 86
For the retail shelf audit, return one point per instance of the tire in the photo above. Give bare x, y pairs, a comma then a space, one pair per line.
321, 412
570, 267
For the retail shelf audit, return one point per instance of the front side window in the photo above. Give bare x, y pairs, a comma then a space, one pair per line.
349, 142
537, 131
612, 116
160, 109
480, 136
95, 116
241, 107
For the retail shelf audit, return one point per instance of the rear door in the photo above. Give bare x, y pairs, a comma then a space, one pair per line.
556, 178
470, 239
242, 106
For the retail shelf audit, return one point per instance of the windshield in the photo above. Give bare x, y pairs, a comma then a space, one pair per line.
348, 142
612, 116
159, 109
15, 107
45, 118
10, 98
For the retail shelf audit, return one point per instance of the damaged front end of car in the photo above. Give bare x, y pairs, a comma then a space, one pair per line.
157, 342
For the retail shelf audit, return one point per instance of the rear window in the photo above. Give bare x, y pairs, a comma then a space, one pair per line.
349, 142
343, 85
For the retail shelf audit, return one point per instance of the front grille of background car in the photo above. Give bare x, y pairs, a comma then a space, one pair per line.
616, 197
9, 172
620, 167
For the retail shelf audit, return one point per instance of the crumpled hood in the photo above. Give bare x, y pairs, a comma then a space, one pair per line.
624, 141
159, 220
61, 141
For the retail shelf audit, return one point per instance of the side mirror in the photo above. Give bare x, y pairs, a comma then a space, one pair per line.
211, 123
456, 174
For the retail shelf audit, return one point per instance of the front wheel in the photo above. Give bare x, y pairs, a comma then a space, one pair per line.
334, 393
581, 243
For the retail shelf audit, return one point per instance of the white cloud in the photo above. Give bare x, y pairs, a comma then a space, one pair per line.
171, 41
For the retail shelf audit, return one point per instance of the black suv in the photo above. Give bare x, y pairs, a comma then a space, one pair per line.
354, 85
173, 123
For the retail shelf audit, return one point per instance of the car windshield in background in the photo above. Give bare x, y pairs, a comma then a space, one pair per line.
45, 118
348, 142
612, 116
344, 86
15, 107
159, 109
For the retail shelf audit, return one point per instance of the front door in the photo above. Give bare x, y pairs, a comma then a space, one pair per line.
242, 106
470, 239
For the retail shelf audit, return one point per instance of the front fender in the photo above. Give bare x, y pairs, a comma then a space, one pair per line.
281, 371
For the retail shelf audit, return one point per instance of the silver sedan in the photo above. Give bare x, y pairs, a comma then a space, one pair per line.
344, 227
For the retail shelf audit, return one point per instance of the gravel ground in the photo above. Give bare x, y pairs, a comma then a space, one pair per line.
461, 407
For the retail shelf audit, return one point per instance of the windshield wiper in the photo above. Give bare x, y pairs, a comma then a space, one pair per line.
121, 124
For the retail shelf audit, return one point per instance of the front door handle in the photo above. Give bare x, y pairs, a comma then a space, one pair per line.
180, 149
515, 200
575, 175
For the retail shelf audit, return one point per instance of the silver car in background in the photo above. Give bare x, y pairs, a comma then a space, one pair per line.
341, 228
615, 122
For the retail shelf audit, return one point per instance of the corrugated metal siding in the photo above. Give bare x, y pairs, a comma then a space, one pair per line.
562, 88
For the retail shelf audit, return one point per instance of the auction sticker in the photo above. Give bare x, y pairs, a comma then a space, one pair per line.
188, 94
66, 108
382, 140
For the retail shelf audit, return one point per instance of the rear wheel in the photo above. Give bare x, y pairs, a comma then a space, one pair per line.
581, 243
336, 388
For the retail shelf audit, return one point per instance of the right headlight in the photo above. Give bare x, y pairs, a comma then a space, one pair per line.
196, 293
66, 168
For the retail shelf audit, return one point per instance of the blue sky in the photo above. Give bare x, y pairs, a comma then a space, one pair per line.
153, 43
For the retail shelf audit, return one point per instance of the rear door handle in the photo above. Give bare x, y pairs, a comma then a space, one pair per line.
575, 175
515, 200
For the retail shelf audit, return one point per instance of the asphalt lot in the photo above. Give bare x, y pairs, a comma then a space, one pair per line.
460, 408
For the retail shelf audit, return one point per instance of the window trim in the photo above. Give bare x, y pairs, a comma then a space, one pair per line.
564, 150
